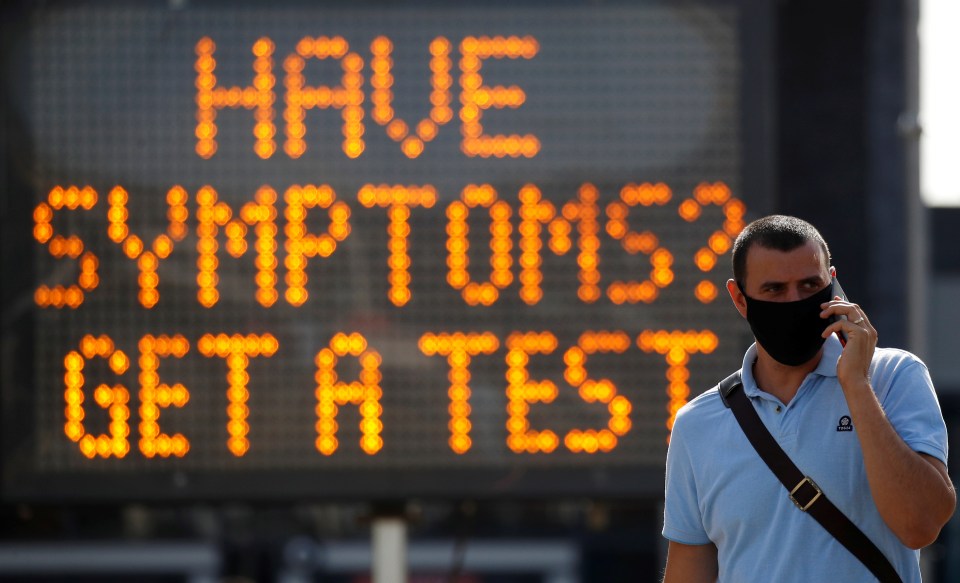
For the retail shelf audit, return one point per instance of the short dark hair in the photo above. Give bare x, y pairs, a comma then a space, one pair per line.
780, 232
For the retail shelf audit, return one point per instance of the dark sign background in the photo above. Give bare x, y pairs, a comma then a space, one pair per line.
618, 95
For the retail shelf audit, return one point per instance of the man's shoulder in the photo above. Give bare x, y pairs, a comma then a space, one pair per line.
703, 423
892, 360
702, 408
896, 355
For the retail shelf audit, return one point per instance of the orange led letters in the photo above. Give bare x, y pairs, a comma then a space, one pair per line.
133, 246
237, 351
586, 212
602, 391
259, 96
398, 200
366, 393
721, 240
661, 260
501, 261
534, 212
458, 348
154, 395
411, 141
676, 347
521, 391
212, 214
115, 399
302, 245
347, 97
537, 218
71, 296
476, 96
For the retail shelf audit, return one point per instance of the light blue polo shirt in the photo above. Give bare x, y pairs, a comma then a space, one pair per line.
719, 490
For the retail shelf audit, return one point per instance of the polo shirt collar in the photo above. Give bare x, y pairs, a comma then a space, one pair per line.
827, 367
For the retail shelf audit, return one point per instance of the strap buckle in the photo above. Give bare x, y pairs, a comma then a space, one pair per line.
813, 496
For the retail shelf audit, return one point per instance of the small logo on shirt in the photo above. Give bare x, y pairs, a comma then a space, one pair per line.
846, 424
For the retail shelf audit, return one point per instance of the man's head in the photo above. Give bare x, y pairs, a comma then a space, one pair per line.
778, 233
782, 274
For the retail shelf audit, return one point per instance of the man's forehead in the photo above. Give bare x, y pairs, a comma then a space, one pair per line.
807, 260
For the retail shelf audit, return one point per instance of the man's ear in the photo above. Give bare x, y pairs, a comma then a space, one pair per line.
739, 301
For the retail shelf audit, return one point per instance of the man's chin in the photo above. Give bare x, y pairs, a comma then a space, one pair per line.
813, 360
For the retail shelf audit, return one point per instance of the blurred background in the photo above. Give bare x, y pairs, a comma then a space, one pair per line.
282, 280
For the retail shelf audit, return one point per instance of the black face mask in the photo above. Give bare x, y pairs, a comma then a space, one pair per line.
790, 332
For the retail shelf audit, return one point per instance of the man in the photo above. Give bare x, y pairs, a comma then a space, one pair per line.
863, 422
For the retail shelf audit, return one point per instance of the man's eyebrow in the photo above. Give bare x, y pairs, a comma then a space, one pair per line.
771, 283
774, 283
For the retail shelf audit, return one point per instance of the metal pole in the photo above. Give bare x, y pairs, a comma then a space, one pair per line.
389, 549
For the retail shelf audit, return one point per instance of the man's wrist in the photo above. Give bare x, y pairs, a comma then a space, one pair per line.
857, 387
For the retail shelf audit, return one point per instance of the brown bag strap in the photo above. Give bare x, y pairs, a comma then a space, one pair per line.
803, 491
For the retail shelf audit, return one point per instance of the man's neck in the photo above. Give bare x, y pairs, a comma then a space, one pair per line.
780, 380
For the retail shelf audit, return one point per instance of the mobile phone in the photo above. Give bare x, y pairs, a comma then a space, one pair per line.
838, 291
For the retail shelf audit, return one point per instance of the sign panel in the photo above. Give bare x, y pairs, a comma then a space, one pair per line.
316, 250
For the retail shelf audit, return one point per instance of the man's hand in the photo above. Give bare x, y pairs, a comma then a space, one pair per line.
861, 341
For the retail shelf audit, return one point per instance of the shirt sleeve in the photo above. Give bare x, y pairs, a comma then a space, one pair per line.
910, 403
682, 519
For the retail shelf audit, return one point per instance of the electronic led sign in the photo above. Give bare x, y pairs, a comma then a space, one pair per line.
315, 250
